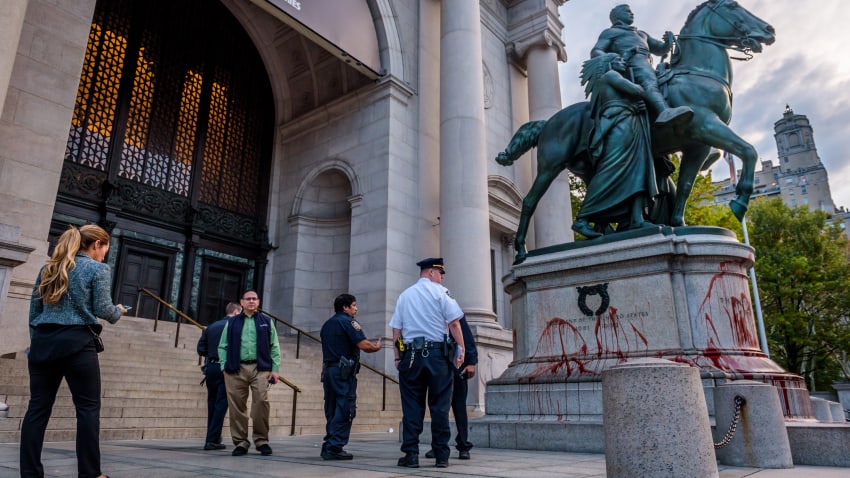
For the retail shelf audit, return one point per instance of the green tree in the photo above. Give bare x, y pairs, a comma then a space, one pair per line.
803, 278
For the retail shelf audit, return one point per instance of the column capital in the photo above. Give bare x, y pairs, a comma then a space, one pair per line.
519, 48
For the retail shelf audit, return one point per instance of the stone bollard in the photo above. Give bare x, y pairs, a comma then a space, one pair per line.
820, 408
655, 421
760, 439
837, 412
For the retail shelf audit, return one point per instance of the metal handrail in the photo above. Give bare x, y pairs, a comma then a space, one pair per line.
180, 315
301, 332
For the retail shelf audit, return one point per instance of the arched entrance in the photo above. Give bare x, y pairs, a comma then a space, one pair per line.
170, 147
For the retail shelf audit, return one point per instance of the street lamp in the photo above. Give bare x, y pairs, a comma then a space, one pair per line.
759, 319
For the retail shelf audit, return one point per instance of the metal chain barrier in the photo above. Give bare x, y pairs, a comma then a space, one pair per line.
739, 403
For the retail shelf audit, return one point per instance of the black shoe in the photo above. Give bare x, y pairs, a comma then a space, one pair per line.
239, 451
463, 455
430, 454
214, 446
265, 450
336, 455
442, 463
410, 460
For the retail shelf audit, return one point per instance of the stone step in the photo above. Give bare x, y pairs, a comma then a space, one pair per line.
151, 389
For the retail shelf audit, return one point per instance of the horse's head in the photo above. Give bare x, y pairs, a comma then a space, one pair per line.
727, 22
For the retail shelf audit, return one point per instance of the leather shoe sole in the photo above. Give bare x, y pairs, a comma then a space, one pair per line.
410, 461
337, 455
264, 450
214, 446
239, 451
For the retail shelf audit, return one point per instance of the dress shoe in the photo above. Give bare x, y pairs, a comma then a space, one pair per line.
430, 454
239, 451
463, 455
336, 455
410, 460
265, 449
442, 463
214, 446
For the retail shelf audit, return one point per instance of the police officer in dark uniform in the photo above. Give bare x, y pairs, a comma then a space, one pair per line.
459, 391
342, 341
214, 378
424, 313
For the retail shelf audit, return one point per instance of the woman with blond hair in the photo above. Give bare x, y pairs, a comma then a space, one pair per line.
72, 291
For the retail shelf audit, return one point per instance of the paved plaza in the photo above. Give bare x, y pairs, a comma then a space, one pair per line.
375, 455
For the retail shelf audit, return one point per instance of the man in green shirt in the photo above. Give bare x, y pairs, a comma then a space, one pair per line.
250, 357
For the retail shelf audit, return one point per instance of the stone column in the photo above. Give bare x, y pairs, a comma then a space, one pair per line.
464, 209
11, 22
535, 43
553, 218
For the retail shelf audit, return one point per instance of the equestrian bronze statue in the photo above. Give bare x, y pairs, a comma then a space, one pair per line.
698, 77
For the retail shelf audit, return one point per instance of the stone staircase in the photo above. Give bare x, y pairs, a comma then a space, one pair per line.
151, 389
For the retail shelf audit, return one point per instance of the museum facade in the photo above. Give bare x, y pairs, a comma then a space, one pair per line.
303, 148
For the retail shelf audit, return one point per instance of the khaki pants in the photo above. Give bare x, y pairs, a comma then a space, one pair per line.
237, 401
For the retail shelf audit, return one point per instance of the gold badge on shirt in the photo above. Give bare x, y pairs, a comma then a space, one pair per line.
356, 325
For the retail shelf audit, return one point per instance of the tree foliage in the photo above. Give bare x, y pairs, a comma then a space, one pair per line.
803, 274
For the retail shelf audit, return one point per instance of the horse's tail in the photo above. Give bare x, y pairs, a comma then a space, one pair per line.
524, 139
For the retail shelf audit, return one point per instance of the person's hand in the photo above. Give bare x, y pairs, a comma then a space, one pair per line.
469, 370
459, 360
669, 38
273, 377
378, 343
122, 309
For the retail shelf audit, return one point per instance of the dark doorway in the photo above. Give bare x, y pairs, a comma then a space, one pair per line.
143, 265
221, 282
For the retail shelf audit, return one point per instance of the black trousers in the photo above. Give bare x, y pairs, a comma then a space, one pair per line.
216, 402
427, 377
82, 373
461, 386
340, 408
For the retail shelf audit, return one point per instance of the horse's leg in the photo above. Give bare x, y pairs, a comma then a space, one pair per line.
716, 133
545, 175
692, 159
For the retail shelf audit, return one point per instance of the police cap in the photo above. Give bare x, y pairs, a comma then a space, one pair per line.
432, 263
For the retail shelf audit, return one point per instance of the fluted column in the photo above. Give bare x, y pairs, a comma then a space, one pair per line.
464, 210
11, 23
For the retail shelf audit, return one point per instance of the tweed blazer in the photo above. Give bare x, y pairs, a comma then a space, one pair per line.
88, 298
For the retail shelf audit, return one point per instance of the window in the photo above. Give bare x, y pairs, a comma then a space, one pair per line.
161, 96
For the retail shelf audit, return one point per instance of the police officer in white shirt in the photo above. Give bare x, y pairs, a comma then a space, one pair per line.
424, 313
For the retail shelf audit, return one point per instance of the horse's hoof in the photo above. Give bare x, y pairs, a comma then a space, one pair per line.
739, 209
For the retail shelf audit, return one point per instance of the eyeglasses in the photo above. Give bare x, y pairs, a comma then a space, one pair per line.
250, 298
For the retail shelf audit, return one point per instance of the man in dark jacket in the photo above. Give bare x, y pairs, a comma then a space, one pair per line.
214, 378
462, 374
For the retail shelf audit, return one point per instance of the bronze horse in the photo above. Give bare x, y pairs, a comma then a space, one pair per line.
700, 76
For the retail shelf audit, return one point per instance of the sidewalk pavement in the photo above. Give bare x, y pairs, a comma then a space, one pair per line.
375, 455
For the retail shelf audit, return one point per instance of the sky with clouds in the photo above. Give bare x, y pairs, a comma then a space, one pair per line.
808, 68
